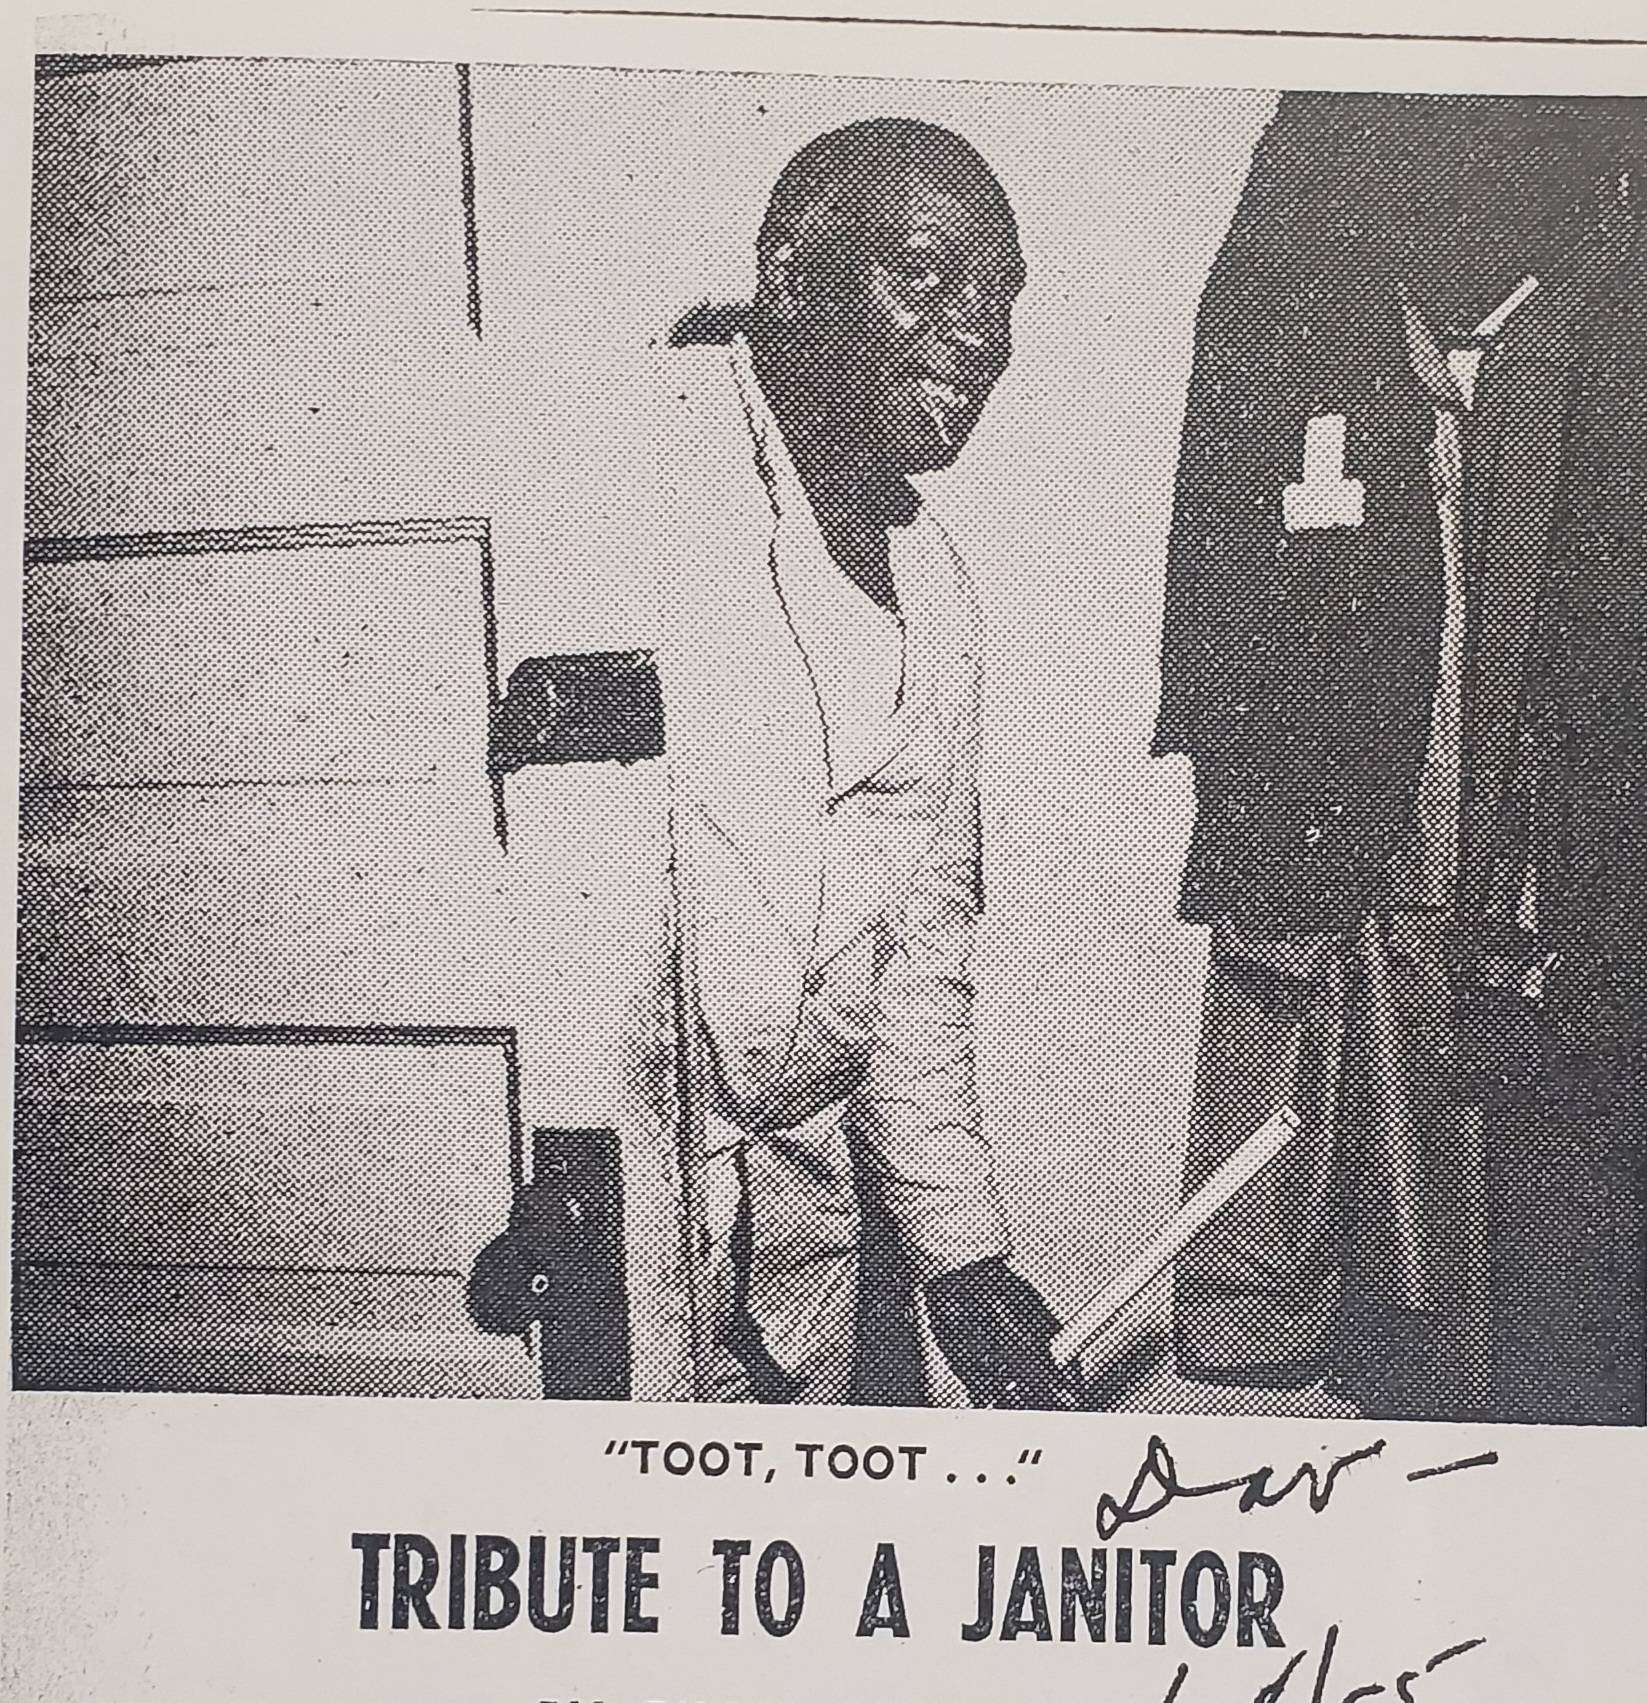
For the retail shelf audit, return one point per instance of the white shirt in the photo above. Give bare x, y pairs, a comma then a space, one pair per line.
883, 1033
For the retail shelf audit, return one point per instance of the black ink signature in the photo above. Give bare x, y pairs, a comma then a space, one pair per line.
1276, 1689
1272, 1692
1488, 1459
1157, 1486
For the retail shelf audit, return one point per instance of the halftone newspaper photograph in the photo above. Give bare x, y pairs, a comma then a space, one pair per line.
890, 827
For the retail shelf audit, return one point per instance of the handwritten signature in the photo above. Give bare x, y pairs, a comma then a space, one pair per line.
1157, 1484
1276, 1689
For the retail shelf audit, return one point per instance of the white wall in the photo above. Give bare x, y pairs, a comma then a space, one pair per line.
250, 309
610, 202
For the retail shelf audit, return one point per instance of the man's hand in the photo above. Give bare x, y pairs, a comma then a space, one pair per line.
996, 1332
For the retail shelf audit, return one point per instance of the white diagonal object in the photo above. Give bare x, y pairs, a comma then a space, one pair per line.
1255, 1154
1500, 316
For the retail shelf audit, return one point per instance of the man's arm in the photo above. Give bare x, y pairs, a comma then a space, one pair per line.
921, 1137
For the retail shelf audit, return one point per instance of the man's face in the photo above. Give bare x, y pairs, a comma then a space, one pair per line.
909, 335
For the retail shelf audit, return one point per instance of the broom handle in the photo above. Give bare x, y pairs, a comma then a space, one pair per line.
1258, 1151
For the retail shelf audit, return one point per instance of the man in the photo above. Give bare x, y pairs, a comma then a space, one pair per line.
1407, 506
812, 1097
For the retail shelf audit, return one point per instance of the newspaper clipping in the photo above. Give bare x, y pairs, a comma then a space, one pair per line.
832, 864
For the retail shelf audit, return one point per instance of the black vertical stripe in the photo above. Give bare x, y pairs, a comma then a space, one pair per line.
494, 684
471, 261
471, 233
517, 1131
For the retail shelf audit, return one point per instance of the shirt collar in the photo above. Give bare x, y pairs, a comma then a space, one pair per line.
783, 483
